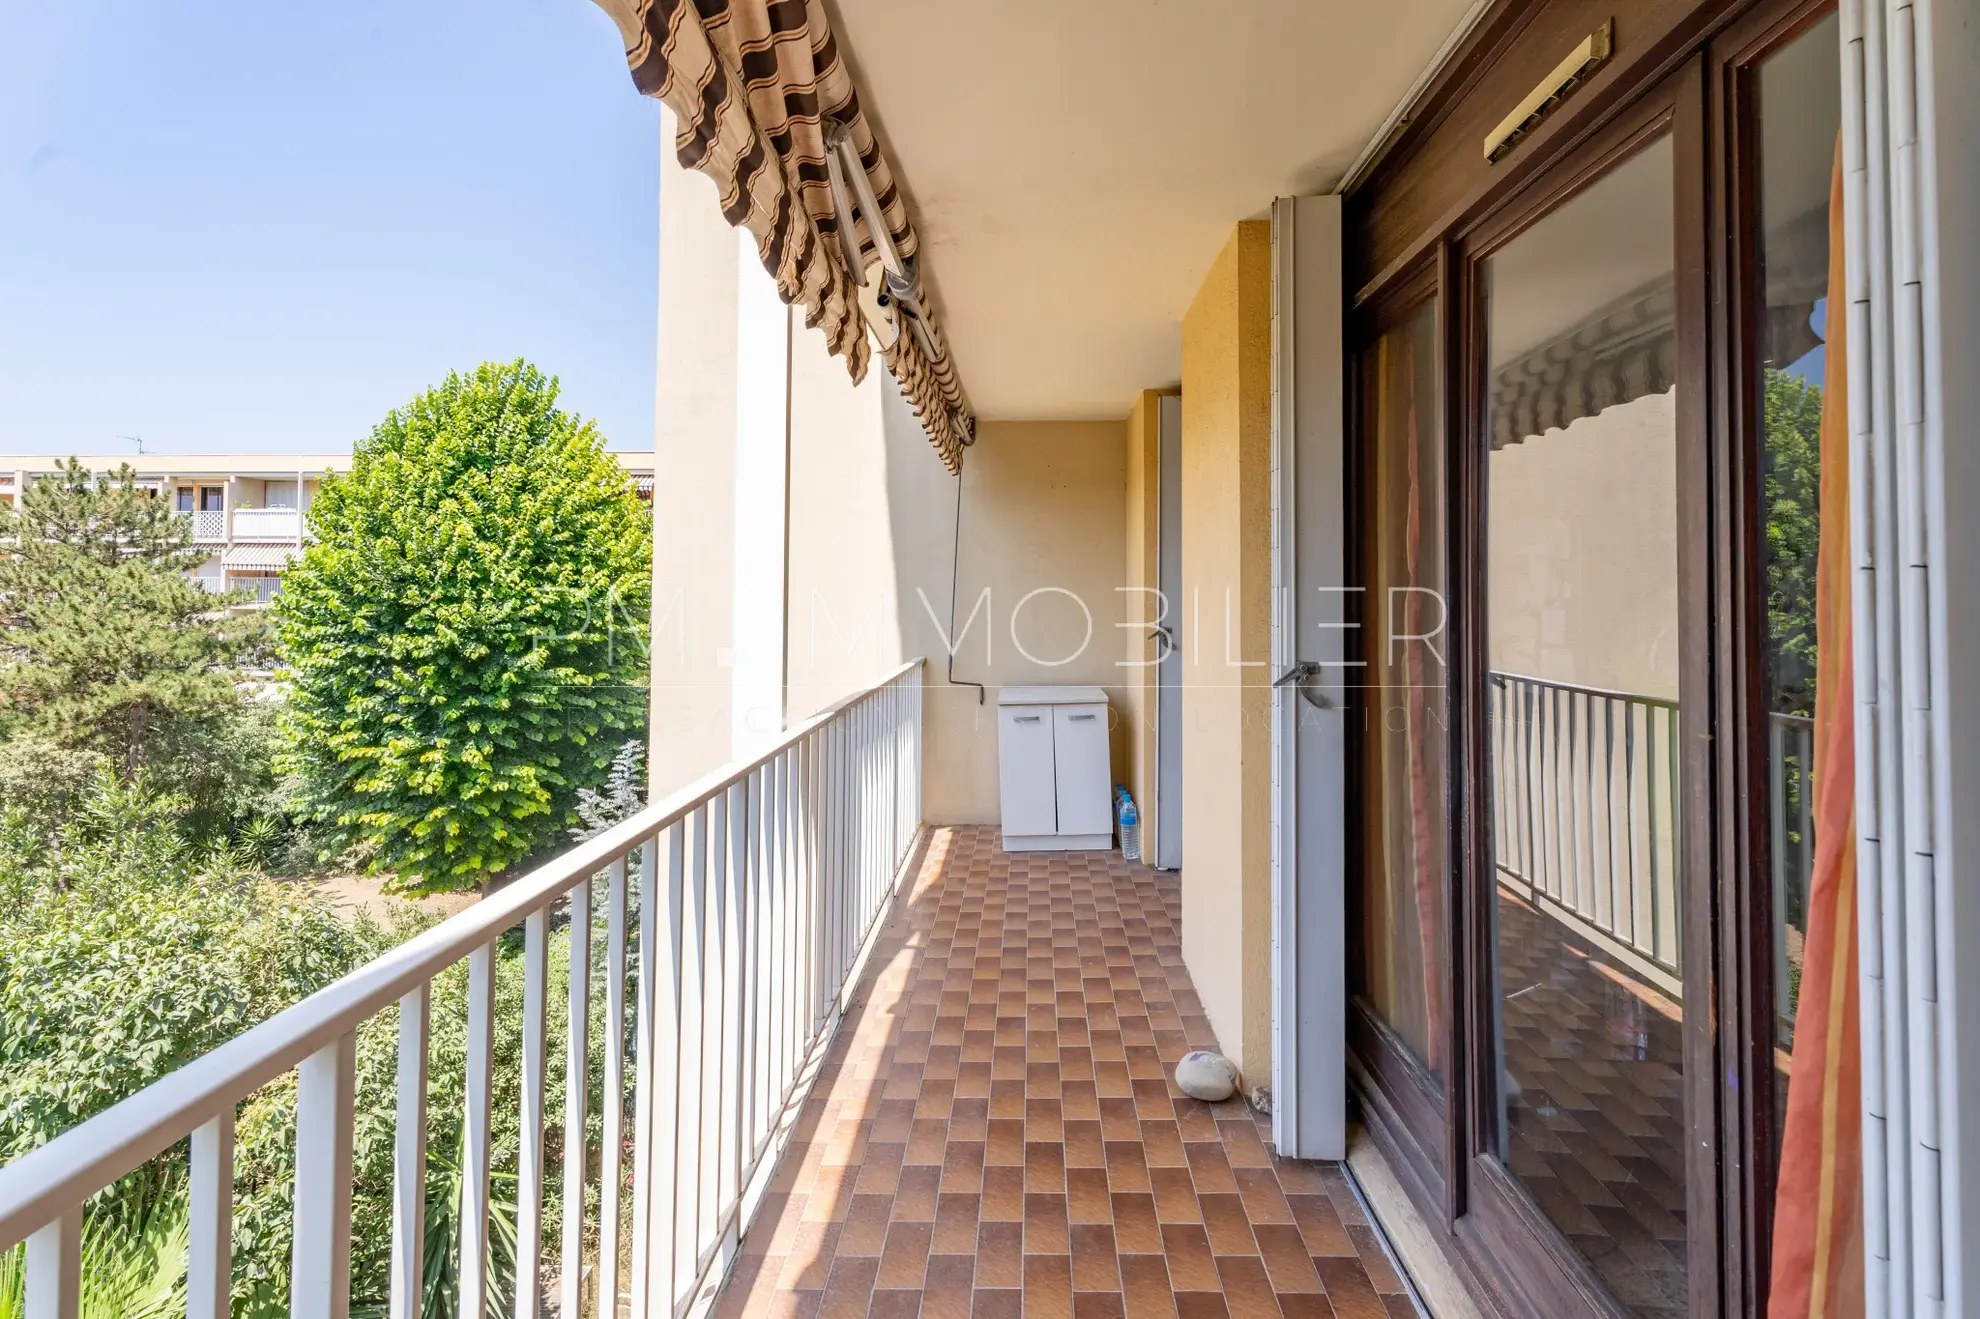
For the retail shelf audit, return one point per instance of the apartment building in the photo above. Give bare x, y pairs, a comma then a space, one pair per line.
248, 507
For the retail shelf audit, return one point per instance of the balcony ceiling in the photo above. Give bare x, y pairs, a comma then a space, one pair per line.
1074, 168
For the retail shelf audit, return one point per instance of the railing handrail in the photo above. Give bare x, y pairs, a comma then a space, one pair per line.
1639, 698
75, 1165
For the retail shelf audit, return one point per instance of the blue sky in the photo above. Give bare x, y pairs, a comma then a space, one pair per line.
242, 225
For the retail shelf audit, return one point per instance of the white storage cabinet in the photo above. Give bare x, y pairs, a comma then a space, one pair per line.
1052, 767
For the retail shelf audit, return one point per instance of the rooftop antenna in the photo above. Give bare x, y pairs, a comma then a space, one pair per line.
138, 440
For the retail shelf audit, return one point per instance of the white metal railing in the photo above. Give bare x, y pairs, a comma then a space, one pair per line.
757, 893
1584, 796
267, 524
209, 524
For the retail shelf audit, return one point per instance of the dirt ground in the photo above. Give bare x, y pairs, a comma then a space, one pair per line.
366, 893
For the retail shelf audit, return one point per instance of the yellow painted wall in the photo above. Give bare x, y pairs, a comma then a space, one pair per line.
1226, 623
1144, 513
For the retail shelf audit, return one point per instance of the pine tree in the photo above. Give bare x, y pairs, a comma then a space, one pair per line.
111, 657
465, 634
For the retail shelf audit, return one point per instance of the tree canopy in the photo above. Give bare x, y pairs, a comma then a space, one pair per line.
465, 632
111, 656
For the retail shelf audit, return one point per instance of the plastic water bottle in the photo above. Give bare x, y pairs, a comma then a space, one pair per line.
1130, 823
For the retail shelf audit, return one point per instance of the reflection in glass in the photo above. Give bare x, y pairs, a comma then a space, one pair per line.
1405, 730
1808, 789
1582, 636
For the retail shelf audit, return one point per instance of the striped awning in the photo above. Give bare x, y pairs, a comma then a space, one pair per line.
248, 557
1626, 350
753, 83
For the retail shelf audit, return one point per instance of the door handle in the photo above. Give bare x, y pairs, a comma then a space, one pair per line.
1165, 642
1296, 677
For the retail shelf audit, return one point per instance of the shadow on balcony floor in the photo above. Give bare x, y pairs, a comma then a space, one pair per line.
995, 1131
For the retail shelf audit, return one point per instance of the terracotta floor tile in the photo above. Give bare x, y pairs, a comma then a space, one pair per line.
1000, 1255
1320, 1225
1003, 1193
916, 1196
1045, 1225
904, 1263
955, 1224
1286, 1260
1247, 1288
1192, 1268
1263, 1201
1230, 1231
1087, 1199
890, 1303
947, 1291
1145, 1289
850, 1290
993, 1303
1095, 1265
996, 1130
1175, 1196
1311, 1305
1349, 1290
1209, 1167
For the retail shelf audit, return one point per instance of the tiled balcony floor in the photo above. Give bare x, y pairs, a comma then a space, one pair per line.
995, 1133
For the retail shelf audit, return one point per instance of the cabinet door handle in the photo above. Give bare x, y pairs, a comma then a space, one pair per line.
1082, 718
1025, 719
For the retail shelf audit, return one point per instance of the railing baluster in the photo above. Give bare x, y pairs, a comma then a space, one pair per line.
210, 1221
53, 1280
577, 1077
611, 1184
734, 1081
409, 1157
529, 1157
474, 1166
639, 1287
326, 1098
755, 968
693, 1026
663, 896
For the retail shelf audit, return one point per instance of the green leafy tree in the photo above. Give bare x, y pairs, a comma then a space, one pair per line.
112, 656
1792, 494
465, 633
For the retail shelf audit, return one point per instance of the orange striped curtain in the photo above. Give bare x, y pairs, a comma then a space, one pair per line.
1818, 1203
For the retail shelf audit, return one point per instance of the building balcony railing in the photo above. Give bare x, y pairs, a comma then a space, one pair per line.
267, 524
738, 911
209, 526
216, 526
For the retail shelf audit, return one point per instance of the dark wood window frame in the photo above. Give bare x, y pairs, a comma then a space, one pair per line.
1692, 77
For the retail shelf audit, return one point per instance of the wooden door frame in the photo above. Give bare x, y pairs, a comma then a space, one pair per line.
1737, 430
1691, 81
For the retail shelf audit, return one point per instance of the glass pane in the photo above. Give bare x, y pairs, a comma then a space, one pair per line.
1799, 120
1582, 624
1405, 732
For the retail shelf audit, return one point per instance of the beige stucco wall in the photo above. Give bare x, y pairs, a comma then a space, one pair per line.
694, 479
872, 540
1582, 560
1226, 622
1142, 449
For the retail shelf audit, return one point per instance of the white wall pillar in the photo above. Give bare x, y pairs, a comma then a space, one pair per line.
721, 420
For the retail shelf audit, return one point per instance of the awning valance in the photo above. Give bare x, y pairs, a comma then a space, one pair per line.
1626, 350
257, 558
753, 84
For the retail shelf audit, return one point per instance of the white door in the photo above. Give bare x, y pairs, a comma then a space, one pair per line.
1309, 1008
1079, 761
1024, 770
1168, 674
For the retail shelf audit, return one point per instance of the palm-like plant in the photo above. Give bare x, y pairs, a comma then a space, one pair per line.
133, 1257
